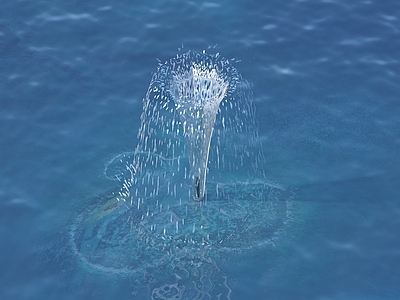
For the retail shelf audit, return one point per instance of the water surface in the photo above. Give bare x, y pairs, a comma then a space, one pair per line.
325, 80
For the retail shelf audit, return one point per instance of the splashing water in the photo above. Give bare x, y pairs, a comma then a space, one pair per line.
181, 105
197, 91
198, 121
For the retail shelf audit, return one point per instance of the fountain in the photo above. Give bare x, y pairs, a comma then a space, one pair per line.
198, 90
197, 140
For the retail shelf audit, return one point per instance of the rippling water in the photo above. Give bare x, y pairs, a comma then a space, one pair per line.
325, 78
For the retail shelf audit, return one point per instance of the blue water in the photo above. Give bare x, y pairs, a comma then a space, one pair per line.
325, 78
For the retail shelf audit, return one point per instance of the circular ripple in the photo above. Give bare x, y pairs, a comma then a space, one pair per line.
181, 240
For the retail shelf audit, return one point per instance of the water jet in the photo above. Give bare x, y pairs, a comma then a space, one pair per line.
198, 139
